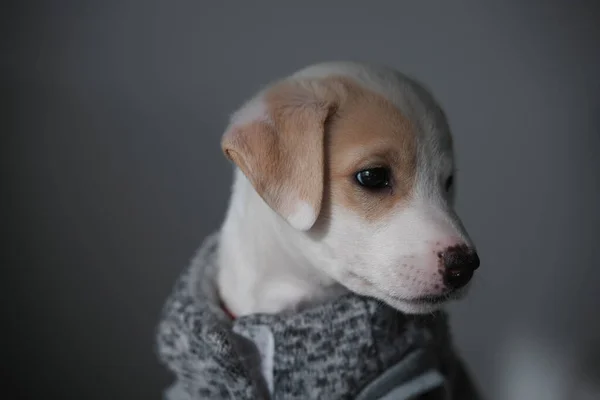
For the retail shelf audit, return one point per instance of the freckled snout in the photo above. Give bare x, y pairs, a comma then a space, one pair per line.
458, 264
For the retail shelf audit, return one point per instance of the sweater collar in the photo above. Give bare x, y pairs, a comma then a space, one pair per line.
345, 343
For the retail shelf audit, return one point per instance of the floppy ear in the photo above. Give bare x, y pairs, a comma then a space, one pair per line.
277, 141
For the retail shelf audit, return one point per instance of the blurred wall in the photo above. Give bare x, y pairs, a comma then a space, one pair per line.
112, 174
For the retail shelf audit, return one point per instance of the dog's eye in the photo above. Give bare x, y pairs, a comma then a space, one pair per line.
449, 183
374, 178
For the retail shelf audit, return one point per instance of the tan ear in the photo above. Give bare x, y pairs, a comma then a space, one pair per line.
277, 141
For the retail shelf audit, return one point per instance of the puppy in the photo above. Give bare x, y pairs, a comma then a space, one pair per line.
343, 182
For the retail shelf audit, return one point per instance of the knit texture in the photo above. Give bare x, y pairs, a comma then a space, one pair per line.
330, 351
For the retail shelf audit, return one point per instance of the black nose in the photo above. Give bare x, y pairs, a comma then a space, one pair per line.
459, 263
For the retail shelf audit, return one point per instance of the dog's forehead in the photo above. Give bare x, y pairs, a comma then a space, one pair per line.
411, 98
368, 125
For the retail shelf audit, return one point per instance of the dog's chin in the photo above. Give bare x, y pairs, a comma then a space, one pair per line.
408, 307
408, 304
423, 304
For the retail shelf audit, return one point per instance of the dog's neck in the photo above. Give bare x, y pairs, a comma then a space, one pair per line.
262, 267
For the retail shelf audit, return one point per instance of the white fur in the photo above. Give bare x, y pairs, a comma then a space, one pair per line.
262, 269
253, 111
394, 260
269, 265
303, 217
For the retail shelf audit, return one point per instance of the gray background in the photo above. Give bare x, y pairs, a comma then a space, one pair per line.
112, 173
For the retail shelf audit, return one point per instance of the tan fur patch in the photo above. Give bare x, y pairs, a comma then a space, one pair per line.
283, 157
293, 157
368, 131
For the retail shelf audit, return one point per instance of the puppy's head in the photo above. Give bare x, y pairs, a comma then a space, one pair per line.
358, 161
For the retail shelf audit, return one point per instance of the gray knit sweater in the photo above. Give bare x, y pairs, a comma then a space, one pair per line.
350, 348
